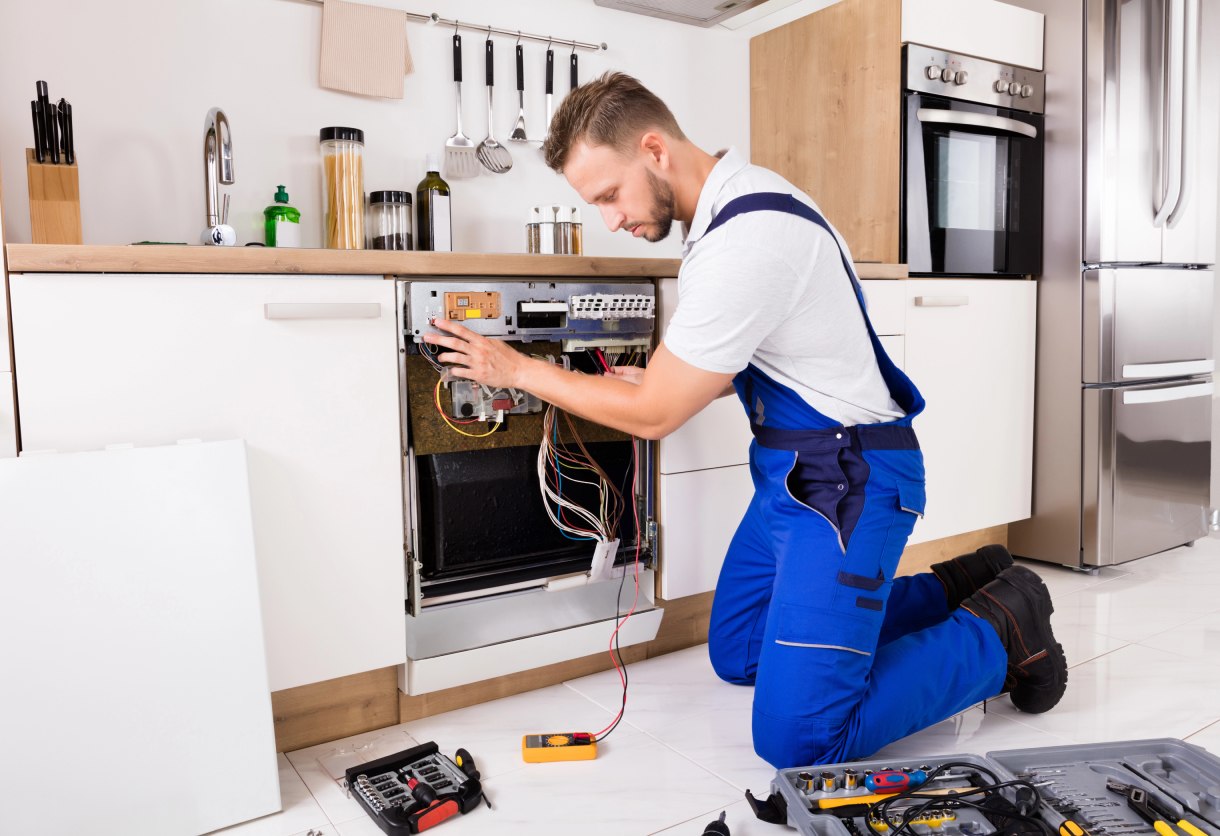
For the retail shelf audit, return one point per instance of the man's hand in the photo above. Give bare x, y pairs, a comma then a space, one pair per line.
490, 362
631, 374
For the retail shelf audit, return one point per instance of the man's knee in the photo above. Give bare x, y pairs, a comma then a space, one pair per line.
731, 659
785, 742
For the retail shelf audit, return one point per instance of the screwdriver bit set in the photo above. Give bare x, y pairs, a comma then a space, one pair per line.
1135, 788
417, 789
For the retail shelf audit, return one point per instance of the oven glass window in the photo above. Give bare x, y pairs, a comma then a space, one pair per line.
969, 182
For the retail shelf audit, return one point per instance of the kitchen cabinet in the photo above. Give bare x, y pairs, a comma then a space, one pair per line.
305, 370
969, 347
826, 99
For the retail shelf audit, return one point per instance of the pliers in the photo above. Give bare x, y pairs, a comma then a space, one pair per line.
1151, 810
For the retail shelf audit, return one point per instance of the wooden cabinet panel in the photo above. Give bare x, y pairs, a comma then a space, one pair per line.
825, 112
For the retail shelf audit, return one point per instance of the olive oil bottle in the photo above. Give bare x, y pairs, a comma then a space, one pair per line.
434, 230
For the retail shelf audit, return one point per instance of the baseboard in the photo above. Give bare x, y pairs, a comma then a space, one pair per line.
326, 711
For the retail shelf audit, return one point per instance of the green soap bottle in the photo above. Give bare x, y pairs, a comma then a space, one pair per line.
283, 223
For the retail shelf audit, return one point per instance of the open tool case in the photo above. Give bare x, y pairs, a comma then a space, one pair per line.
414, 790
1133, 788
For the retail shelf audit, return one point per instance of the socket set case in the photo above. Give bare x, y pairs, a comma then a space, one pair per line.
1160, 787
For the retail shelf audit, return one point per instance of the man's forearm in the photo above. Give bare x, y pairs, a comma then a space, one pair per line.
613, 403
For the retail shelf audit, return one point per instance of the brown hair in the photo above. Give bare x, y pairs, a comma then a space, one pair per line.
613, 109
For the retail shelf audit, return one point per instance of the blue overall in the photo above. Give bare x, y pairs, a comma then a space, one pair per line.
844, 657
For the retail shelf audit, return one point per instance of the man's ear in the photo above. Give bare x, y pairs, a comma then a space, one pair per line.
655, 147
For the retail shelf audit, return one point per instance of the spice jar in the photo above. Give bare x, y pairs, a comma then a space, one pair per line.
540, 230
342, 187
389, 221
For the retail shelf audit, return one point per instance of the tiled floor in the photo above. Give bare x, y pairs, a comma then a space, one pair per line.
1143, 641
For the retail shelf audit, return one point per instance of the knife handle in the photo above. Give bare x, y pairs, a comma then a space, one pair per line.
38, 126
53, 132
69, 137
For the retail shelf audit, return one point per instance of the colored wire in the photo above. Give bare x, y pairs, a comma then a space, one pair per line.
619, 664
436, 393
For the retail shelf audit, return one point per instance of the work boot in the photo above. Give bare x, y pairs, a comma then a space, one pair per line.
1018, 605
968, 573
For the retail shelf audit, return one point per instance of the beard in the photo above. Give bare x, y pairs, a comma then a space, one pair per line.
663, 208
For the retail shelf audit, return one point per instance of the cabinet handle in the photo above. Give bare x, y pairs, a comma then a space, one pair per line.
941, 301
322, 310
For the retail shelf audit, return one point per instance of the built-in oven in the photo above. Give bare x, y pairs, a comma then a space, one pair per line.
972, 156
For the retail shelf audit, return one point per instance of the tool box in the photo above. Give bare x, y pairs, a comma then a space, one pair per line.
1134, 788
417, 789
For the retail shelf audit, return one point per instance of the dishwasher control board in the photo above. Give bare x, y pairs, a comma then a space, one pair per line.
528, 310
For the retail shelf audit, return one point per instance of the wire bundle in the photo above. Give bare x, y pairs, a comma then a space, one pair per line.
558, 463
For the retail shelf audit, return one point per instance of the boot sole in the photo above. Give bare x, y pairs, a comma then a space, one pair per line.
1035, 699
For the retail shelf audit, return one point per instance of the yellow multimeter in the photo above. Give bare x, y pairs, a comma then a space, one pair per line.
558, 746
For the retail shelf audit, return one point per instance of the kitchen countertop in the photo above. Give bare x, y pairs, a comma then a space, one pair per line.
156, 258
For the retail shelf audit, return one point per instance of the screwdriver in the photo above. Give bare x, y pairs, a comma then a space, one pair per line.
891, 780
842, 801
717, 827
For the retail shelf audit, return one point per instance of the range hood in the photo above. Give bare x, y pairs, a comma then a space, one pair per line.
696, 12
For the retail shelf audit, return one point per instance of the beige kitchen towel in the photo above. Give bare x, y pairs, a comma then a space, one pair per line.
364, 49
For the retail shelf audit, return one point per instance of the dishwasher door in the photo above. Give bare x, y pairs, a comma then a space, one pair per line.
1147, 468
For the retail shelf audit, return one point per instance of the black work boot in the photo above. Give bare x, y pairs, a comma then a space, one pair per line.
1018, 605
968, 573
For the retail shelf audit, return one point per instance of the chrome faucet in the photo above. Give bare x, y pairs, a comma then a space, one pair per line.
217, 162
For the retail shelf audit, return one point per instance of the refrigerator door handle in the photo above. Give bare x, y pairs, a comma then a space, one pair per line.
1190, 106
1178, 369
1171, 114
1174, 393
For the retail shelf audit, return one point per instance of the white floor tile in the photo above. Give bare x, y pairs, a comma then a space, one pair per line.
1134, 692
738, 816
1136, 606
300, 813
1198, 640
1063, 581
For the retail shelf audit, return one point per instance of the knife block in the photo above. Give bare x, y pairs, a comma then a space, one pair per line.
54, 201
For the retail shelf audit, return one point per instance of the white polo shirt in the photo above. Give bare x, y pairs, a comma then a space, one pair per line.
770, 289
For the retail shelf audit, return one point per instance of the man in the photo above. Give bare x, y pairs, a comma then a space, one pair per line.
844, 658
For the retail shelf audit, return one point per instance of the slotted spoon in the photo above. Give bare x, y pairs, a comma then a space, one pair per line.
518, 134
494, 156
461, 158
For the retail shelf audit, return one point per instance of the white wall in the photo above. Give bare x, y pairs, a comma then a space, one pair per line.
141, 75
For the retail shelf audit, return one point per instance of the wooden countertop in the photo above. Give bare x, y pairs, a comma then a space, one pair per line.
156, 258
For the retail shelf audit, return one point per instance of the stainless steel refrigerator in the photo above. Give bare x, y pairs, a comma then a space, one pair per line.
1125, 359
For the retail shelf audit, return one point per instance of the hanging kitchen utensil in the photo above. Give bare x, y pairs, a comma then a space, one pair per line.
461, 158
494, 156
518, 134
574, 59
550, 88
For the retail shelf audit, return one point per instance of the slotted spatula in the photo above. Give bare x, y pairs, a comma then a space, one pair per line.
461, 156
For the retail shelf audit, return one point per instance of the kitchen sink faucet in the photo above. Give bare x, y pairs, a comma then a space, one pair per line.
217, 171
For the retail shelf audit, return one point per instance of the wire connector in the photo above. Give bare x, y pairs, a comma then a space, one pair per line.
603, 560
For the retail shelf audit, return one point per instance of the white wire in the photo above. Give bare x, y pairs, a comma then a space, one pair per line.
599, 526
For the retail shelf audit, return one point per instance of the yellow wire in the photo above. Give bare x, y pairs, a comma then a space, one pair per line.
455, 427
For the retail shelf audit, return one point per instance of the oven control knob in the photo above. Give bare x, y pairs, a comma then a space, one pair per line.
961, 77
1027, 91
933, 72
1014, 88
1001, 86
946, 75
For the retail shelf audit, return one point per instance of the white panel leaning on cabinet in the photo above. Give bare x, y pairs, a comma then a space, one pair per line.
8, 396
305, 369
982, 28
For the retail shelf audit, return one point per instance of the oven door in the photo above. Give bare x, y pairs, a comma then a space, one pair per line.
972, 182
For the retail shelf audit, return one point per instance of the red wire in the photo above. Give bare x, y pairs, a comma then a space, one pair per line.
635, 513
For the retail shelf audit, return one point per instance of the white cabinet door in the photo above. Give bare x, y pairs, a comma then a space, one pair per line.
969, 348
699, 512
8, 417
305, 370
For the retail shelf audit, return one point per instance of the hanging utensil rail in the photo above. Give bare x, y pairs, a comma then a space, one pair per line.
494, 30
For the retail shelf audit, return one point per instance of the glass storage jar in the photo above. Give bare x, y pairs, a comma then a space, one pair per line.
342, 187
388, 223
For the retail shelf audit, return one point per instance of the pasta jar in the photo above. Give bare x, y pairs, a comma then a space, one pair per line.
342, 187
